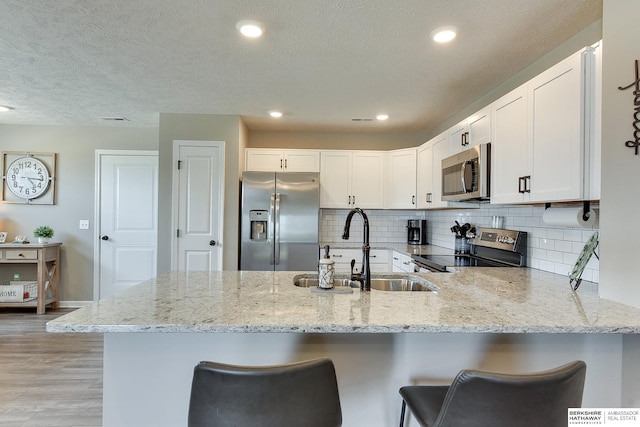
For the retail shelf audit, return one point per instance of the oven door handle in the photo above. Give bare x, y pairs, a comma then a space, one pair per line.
463, 173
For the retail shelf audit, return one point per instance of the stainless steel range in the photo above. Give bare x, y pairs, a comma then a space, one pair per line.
489, 247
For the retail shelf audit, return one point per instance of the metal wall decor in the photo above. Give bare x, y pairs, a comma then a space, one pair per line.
28, 177
635, 144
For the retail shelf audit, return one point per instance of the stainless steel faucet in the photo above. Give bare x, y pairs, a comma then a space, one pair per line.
364, 277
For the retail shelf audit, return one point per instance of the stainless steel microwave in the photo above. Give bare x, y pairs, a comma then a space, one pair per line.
465, 176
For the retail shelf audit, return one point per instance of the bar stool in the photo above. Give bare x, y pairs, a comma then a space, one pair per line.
297, 394
477, 398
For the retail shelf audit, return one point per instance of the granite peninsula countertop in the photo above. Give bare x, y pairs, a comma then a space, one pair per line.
472, 300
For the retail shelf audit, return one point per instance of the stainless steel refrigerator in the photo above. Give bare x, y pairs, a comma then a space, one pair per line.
279, 223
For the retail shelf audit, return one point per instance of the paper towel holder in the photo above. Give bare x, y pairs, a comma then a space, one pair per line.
586, 211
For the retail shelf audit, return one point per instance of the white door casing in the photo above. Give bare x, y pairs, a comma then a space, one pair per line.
198, 205
126, 219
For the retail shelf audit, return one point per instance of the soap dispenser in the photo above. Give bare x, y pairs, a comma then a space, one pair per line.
326, 270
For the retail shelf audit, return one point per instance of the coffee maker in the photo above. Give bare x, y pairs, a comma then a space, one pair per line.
417, 232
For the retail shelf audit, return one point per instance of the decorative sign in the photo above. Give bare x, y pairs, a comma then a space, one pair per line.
636, 111
28, 177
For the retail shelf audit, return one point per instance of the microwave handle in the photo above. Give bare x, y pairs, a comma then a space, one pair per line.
463, 171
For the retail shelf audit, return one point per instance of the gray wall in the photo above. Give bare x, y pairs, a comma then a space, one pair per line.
201, 127
75, 192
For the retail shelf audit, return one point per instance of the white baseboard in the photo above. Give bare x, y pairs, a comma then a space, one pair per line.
74, 304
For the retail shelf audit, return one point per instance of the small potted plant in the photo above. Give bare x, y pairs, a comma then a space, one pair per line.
43, 233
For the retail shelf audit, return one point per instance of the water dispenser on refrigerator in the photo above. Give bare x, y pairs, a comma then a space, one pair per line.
259, 220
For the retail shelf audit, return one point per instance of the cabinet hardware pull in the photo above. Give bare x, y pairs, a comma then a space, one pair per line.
354, 200
527, 181
337, 256
212, 242
520, 186
413, 200
395, 258
280, 163
285, 163
105, 237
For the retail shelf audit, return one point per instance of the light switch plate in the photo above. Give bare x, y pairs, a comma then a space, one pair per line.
84, 224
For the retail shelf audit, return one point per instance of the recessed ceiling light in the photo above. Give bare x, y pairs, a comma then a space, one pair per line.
4, 108
444, 34
275, 114
251, 29
382, 116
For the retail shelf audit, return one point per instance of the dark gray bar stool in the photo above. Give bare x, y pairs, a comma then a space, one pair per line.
477, 398
297, 394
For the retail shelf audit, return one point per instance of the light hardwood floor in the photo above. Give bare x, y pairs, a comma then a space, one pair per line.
48, 379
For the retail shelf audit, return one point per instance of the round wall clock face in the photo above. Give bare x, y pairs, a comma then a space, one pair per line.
27, 177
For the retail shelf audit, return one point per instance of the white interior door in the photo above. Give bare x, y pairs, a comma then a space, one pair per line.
127, 220
200, 186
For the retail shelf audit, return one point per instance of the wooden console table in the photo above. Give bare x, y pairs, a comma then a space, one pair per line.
46, 257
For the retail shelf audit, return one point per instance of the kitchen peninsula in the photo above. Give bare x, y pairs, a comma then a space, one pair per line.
491, 318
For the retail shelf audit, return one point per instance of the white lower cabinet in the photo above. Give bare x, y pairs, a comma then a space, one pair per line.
378, 259
402, 263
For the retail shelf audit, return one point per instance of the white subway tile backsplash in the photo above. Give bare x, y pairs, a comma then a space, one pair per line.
550, 248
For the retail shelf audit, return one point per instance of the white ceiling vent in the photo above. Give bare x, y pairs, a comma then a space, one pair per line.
115, 119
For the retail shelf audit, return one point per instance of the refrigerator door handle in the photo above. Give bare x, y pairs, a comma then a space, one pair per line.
277, 231
272, 226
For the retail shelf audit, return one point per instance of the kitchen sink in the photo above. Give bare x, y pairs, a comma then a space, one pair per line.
393, 283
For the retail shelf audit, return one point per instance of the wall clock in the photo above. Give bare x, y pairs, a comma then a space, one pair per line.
28, 178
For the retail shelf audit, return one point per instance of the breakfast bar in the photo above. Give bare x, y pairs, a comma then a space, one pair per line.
508, 320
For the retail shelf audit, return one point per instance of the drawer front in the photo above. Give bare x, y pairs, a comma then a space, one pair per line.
378, 256
18, 254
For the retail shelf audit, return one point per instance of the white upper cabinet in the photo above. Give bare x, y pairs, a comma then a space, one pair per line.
541, 134
424, 175
509, 148
472, 131
351, 179
556, 160
276, 160
429, 172
400, 181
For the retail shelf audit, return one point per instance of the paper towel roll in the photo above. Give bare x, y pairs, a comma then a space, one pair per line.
568, 217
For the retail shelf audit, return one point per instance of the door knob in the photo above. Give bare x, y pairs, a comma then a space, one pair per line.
212, 242
105, 237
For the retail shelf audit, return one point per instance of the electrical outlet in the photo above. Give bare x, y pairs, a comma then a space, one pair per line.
84, 224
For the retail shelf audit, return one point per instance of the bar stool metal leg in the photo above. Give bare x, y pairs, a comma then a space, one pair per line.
404, 407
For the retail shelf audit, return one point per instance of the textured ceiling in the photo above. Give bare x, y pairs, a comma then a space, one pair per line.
322, 62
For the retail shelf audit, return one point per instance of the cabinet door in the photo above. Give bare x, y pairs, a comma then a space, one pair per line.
509, 147
457, 137
424, 176
555, 132
367, 179
440, 151
301, 161
400, 190
264, 160
479, 127
335, 178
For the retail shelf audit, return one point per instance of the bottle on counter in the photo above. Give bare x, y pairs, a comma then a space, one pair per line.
326, 270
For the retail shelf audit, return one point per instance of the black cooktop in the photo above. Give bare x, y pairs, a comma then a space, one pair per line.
441, 262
